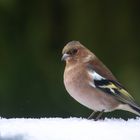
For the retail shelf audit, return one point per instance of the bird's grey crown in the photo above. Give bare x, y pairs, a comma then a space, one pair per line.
74, 43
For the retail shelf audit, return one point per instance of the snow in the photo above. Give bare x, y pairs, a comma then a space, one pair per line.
69, 129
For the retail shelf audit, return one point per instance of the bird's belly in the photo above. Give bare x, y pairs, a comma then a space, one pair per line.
84, 94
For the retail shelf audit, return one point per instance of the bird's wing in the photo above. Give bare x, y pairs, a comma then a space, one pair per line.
111, 87
101, 69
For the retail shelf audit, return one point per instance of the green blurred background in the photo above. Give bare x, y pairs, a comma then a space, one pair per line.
32, 35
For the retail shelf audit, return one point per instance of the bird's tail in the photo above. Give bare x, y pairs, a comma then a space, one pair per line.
135, 110
131, 108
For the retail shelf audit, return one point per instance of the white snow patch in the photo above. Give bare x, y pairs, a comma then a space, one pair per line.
69, 129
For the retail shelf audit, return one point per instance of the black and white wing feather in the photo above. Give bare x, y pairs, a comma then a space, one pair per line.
111, 87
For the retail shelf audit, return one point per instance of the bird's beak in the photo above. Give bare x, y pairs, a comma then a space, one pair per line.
64, 57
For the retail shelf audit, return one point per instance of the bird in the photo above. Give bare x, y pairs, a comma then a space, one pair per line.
92, 84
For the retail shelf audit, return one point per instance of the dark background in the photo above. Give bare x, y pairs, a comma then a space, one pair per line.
32, 35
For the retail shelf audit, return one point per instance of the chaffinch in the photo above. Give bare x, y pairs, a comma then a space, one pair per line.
92, 84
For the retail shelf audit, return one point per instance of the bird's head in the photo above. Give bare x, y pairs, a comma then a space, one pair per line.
74, 51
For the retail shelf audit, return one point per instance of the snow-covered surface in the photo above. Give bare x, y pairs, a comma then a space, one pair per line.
69, 129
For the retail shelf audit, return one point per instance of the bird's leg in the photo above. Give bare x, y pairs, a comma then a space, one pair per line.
91, 115
99, 115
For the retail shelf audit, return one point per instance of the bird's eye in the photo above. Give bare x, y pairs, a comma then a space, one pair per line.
72, 51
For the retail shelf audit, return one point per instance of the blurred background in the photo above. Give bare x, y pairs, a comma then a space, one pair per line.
32, 35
